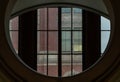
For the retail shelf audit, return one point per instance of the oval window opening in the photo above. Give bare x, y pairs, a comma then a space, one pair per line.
59, 41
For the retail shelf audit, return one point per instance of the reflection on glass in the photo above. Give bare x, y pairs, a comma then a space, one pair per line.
66, 17
53, 42
66, 41
66, 10
41, 42
13, 24
13, 27
105, 35
53, 65
14, 40
66, 64
53, 19
77, 18
105, 23
77, 41
42, 19
77, 63
42, 64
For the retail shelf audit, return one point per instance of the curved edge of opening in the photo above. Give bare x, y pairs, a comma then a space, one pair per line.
56, 5
80, 77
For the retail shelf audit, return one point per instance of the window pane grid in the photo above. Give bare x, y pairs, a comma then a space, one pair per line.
45, 26
69, 39
71, 42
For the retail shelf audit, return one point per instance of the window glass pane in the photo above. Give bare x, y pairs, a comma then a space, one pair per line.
13, 25
77, 10
66, 18
66, 10
105, 23
42, 64
66, 41
77, 18
14, 39
53, 65
63, 45
66, 45
66, 35
66, 65
41, 42
104, 40
53, 18
42, 19
77, 64
77, 41
53, 42
77, 35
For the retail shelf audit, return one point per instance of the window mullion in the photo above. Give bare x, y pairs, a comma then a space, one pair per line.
71, 41
47, 40
59, 42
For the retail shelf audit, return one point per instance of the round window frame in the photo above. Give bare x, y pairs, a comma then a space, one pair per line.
95, 73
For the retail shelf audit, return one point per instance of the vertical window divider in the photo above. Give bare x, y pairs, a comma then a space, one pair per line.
71, 41
59, 43
47, 39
